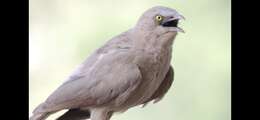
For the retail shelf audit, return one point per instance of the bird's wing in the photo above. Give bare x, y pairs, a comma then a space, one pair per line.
110, 75
163, 88
119, 43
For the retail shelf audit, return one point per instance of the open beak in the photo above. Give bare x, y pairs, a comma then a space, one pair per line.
173, 23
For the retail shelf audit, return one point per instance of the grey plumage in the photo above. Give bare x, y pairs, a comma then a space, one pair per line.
131, 69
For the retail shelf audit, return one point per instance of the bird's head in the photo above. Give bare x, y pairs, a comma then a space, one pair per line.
160, 18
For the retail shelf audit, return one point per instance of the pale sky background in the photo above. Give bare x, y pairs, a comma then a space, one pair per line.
62, 33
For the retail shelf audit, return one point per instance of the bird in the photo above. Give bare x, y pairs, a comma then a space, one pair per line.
131, 69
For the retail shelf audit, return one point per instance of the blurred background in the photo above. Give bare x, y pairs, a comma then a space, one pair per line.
62, 33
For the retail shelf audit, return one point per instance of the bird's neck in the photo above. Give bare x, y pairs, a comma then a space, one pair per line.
152, 40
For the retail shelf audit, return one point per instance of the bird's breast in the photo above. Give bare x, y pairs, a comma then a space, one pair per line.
154, 66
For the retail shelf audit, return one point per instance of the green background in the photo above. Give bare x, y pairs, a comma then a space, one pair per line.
64, 32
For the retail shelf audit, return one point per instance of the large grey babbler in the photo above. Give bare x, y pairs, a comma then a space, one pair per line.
131, 69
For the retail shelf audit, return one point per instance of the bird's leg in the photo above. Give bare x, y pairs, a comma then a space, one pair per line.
100, 114
75, 114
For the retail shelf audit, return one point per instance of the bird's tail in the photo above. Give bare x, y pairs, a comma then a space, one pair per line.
39, 113
39, 116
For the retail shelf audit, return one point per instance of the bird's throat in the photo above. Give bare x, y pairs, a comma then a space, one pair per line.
152, 39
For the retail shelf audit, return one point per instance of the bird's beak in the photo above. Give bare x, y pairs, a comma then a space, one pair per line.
172, 23
180, 17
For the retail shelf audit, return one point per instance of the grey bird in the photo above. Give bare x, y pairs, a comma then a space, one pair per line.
131, 69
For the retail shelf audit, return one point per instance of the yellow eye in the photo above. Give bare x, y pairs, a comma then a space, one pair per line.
159, 18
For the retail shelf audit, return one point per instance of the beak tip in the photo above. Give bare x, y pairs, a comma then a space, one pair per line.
182, 17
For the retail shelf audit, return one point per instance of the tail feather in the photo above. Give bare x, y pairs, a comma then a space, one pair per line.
40, 116
40, 113
39, 108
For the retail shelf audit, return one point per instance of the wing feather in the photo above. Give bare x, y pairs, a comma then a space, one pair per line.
109, 77
163, 88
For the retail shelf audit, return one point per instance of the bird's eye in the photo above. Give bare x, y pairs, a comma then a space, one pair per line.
159, 18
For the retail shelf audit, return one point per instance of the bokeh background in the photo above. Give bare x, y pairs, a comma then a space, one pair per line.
62, 33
